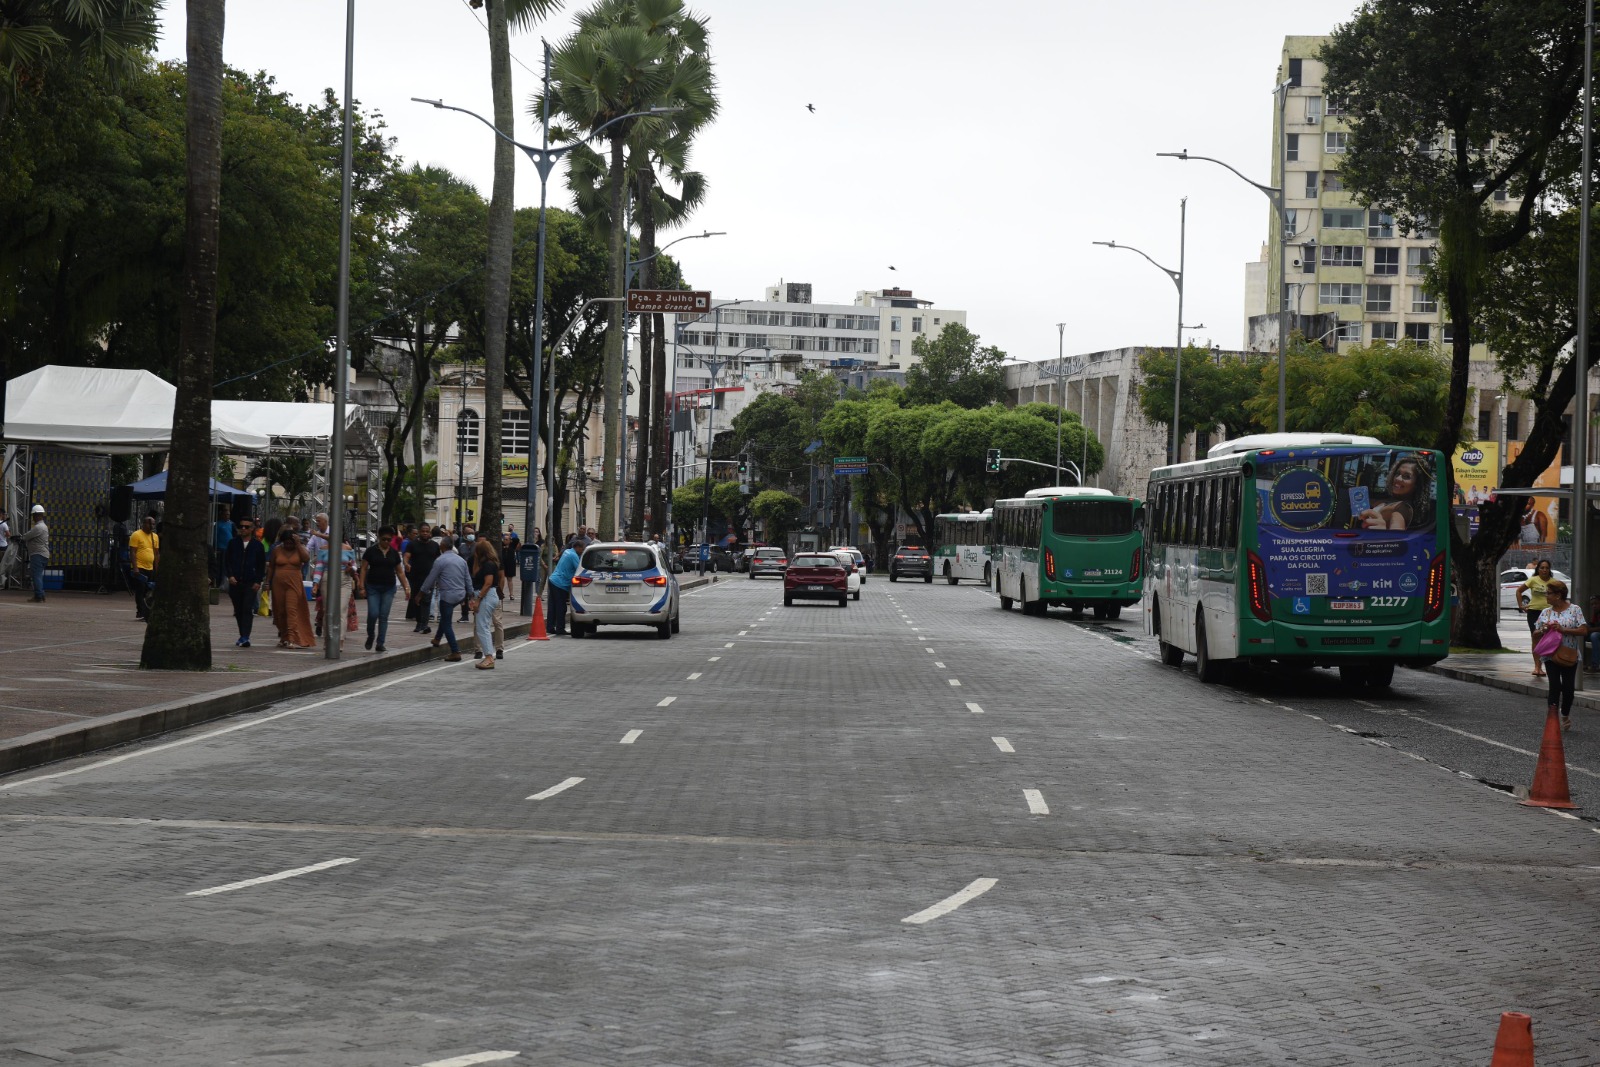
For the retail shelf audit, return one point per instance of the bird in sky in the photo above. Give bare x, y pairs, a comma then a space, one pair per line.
811, 108
891, 268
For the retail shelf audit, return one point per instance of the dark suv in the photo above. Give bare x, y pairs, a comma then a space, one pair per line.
911, 562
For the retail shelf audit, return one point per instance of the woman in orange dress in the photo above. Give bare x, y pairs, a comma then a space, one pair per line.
289, 610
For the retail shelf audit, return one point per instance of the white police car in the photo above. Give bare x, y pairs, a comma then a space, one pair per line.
624, 583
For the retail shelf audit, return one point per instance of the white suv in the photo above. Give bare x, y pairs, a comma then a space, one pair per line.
624, 583
857, 560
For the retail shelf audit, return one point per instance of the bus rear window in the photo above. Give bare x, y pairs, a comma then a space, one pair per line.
1093, 518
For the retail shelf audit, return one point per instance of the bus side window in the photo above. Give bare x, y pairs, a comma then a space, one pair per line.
1213, 511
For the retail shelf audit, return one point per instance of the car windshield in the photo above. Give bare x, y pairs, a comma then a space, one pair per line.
618, 559
817, 561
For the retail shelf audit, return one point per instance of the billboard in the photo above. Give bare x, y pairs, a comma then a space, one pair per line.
1477, 472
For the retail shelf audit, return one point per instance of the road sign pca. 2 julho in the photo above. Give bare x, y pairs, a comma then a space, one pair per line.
671, 301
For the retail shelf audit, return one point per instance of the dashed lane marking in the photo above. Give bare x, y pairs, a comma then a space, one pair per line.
560, 787
713, 659
280, 876
664, 701
955, 681
976, 889
1036, 803
1002, 744
728, 645
936, 663
693, 676
974, 708
743, 632
929, 651
476, 1057
630, 737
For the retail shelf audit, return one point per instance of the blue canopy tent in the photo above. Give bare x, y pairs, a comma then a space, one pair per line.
155, 488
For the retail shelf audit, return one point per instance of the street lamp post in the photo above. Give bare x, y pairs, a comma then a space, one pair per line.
1177, 280
544, 159
1276, 195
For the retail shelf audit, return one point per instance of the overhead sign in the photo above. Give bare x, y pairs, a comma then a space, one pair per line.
850, 465
678, 301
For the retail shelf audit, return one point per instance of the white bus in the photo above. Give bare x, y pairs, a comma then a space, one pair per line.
963, 550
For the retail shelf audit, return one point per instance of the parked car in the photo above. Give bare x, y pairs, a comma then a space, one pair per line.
1511, 579
624, 583
816, 576
767, 561
721, 559
909, 561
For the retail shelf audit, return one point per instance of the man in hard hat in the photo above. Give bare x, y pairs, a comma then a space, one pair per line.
36, 542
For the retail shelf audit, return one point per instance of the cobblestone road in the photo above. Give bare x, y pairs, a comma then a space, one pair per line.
707, 851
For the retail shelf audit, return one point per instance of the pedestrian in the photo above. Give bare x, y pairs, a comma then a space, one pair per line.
144, 549
453, 581
245, 565
289, 611
464, 545
222, 537
508, 560
1561, 662
6, 552
329, 613
561, 584
486, 582
36, 543
1535, 588
381, 573
420, 555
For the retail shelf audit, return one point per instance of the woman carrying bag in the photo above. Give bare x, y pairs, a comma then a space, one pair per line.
1558, 640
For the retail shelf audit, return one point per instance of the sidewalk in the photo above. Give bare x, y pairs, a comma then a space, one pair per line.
70, 681
1512, 671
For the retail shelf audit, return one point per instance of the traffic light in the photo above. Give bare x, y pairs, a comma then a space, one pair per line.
994, 461
744, 469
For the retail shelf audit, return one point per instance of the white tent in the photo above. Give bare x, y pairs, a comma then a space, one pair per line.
297, 427
100, 410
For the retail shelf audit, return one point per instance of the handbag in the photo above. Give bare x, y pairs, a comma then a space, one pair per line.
1564, 656
351, 623
1548, 645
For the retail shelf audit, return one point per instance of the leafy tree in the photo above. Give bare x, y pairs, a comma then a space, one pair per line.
954, 367
295, 475
778, 512
39, 37
179, 633
844, 432
726, 501
959, 443
1488, 108
1395, 393
1215, 391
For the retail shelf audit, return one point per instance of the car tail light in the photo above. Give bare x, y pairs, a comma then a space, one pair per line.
1134, 567
1049, 564
1434, 603
656, 579
1260, 607
581, 579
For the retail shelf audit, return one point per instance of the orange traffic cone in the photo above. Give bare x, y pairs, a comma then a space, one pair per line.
536, 628
1513, 1045
1550, 776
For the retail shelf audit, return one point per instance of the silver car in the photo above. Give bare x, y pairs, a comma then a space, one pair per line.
624, 583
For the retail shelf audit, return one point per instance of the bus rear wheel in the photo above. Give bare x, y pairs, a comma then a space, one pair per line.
950, 579
1208, 670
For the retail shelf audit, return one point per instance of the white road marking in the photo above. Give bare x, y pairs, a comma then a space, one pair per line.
664, 701
693, 676
955, 681
1036, 803
922, 639
476, 1057
280, 876
974, 708
1002, 744
630, 737
743, 632
929, 651
977, 889
713, 659
728, 645
936, 663
553, 790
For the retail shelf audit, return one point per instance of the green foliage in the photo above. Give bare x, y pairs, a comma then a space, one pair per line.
1215, 391
40, 38
1396, 393
294, 475
953, 367
689, 502
777, 511
405, 506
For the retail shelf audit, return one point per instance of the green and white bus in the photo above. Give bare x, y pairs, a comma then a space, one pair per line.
1074, 547
1311, 550
963, 550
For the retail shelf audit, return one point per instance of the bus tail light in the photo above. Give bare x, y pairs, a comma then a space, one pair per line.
1260, 607
1049, 564
581, 579
1434, 604
1134, 567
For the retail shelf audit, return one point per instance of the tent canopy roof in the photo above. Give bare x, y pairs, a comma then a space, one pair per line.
155, 487
298, 427
104, 410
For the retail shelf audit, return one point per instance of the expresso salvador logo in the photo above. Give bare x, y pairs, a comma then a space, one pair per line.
1302, 499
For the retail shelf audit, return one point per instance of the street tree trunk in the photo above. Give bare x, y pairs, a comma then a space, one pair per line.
613, 406
497, 287
179, 632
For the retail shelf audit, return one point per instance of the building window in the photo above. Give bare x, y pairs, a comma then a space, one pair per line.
515, 433
1447, 334
1341, 220
1422, 301
916, 325
869, 346
1485, 425
1380, 297
1500, 195
1513, 431
1292, 220
1308, 260
1335, 108
1418, 332
936, 321
1385, 331
1342, 255
894, 323
1291, 148
1332, 183
467, 432
1418, 260
1313, 109
1338, 293
1386, 261
1311, 184
1295, 67
1380, 224
894, 347
1335, 142
1348, 331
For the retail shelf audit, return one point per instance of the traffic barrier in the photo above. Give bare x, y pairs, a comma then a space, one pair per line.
1513, 1044
536, 627
1550, 776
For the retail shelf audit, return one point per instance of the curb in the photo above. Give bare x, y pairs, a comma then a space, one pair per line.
1586, 698
79, 739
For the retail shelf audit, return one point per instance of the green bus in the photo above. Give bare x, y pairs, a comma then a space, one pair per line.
963, 550
1311, 550
1073, 547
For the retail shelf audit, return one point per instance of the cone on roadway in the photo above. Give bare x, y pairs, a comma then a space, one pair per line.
536, 628
1513, 1045
1550, 776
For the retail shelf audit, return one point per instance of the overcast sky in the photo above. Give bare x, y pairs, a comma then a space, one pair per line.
976, 148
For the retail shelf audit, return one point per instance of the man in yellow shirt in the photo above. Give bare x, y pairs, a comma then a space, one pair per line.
144, 552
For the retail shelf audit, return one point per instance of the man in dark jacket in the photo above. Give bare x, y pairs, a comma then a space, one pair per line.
421, 555
245, 564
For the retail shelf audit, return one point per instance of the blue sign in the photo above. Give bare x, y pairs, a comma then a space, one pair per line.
1472, 457
1323, 564
1302, 499
1302, 605
705, 553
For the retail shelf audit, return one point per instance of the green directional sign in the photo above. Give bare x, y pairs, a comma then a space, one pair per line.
850, 465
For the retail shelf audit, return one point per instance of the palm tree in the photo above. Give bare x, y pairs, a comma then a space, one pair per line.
179, 634
114, 35
295, 475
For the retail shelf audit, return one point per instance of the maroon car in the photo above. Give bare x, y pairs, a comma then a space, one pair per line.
815, 576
